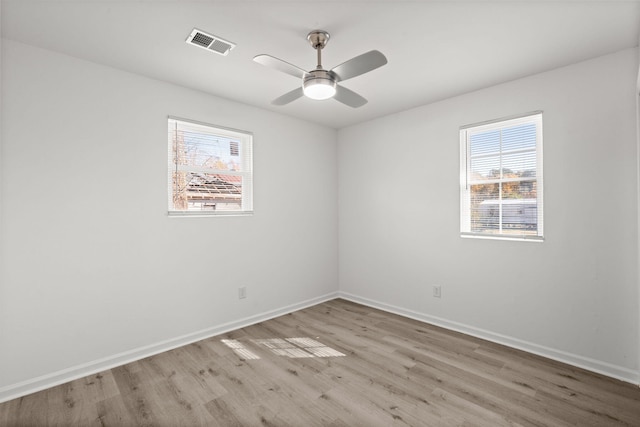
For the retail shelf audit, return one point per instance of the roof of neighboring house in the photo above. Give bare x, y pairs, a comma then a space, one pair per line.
214, 187
233, 179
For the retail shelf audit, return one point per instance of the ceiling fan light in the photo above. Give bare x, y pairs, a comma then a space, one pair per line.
319, 88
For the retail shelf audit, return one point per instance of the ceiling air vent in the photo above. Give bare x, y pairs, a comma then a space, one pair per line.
210, 42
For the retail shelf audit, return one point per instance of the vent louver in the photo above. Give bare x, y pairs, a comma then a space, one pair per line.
210, 42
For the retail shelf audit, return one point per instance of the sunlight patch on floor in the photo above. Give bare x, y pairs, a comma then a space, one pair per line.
239, 349
282, 347
294, 348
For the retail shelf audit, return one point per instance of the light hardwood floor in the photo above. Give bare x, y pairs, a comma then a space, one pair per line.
377, 369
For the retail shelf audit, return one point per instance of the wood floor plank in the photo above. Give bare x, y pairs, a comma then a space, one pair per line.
335, 364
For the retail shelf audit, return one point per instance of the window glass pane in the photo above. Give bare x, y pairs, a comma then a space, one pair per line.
519, 165
484, 208
207, 192
519, 216
485, 168
518, 137
485, 142
519, 190
207, 151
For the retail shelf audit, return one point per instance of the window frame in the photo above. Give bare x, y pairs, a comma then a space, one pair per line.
245, 140
466, 132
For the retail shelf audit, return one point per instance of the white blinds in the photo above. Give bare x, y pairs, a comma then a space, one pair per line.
501, 178
210, 169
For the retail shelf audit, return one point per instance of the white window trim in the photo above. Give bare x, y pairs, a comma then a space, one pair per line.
465, 165
247, 185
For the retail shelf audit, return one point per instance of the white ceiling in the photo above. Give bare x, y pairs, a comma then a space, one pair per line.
435, 49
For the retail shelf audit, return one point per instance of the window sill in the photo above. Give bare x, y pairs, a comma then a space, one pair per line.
537, 239
204, 214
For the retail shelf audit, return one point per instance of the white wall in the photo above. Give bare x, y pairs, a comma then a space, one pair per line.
573, 297
93, 268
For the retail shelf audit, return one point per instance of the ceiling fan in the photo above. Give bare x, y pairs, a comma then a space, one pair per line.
322, 84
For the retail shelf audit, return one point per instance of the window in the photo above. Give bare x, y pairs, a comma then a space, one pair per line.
210, 169
501, 179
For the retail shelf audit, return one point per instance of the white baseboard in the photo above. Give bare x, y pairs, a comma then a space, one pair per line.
60, 377
604, 368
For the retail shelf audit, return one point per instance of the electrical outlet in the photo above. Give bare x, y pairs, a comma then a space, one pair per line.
242, 292
437, 291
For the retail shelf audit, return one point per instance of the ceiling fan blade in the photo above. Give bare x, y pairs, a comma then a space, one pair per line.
359, 65
349, 97
280, 65
289, 97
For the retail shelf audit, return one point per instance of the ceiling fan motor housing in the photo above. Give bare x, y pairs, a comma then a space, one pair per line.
319, 84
